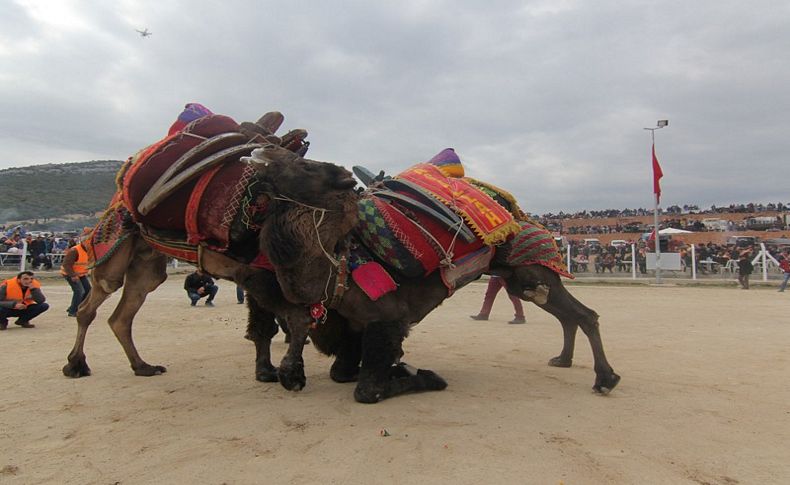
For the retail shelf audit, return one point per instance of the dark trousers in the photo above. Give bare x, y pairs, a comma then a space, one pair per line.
79, 291
25, 315
211, 292
743, 279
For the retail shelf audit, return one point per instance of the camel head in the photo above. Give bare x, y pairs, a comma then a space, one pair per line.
312, 211
284, 173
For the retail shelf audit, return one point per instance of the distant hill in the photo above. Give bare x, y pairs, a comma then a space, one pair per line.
56, 191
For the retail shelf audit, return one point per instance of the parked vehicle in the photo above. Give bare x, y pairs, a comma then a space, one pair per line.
714, 224
592, 242
742, 241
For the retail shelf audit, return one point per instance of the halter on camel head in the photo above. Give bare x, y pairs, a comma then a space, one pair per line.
313, 209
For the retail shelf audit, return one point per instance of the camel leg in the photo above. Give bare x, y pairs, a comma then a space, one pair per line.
291, 372
345, 368
262, 286
106, 279
261, 327
380, 377
338, 337
77, 365
571, 313
142, 277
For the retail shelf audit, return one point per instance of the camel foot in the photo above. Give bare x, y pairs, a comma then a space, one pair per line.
560, 362
77, 368
368, 394
402, 379
292, 376
266, 374
605, 383
430, 380
150, 370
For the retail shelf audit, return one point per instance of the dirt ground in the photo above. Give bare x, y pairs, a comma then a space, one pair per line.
703, 399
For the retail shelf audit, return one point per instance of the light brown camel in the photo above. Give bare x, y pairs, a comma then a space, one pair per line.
316, 190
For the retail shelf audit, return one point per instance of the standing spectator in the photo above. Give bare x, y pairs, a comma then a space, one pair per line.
61, 245
784, 264
641, 259
21, 297
75, 271
495, 283
35, 250
745, 268
199, 285
607, 263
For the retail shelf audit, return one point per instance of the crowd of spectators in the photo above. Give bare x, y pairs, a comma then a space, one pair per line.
674, 209
41, 247
674, 216
709, 257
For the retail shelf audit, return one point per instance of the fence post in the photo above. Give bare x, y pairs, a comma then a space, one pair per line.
765, 262
24, 255
693, 261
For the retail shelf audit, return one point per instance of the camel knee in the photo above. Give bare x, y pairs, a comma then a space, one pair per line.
110, 286
538, 295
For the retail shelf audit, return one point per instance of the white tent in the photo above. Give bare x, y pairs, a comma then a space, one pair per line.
672, 230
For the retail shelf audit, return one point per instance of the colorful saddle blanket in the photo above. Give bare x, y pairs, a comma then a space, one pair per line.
206, 209
489, 220
534, 244
411, 243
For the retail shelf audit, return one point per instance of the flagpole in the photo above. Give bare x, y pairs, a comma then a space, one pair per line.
655, 220
660, 124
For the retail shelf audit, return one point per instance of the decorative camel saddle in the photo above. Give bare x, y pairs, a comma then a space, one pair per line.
190, 188
431, 217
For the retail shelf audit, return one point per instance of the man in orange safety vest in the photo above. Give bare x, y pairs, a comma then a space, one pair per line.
21, 297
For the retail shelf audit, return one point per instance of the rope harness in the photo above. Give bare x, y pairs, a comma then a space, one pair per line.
339, 265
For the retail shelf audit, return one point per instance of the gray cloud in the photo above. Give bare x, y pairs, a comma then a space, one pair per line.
545, 98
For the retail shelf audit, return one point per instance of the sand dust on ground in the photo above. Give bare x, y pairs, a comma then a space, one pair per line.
703, 400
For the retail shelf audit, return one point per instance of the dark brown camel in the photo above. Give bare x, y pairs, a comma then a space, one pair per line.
366, 336
321, 194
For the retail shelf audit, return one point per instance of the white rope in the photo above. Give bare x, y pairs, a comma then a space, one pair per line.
331, 259
186, 133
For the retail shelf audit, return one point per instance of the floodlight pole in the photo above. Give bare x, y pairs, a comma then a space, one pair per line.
659, 124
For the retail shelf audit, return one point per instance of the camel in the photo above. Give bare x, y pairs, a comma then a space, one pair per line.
366, 336
314, 188
307, 229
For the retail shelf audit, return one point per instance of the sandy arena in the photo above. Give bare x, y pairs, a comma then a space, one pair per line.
703, 398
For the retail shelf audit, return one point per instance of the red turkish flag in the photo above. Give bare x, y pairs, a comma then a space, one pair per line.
657, 174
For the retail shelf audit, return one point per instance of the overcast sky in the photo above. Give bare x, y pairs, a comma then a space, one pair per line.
547, 99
